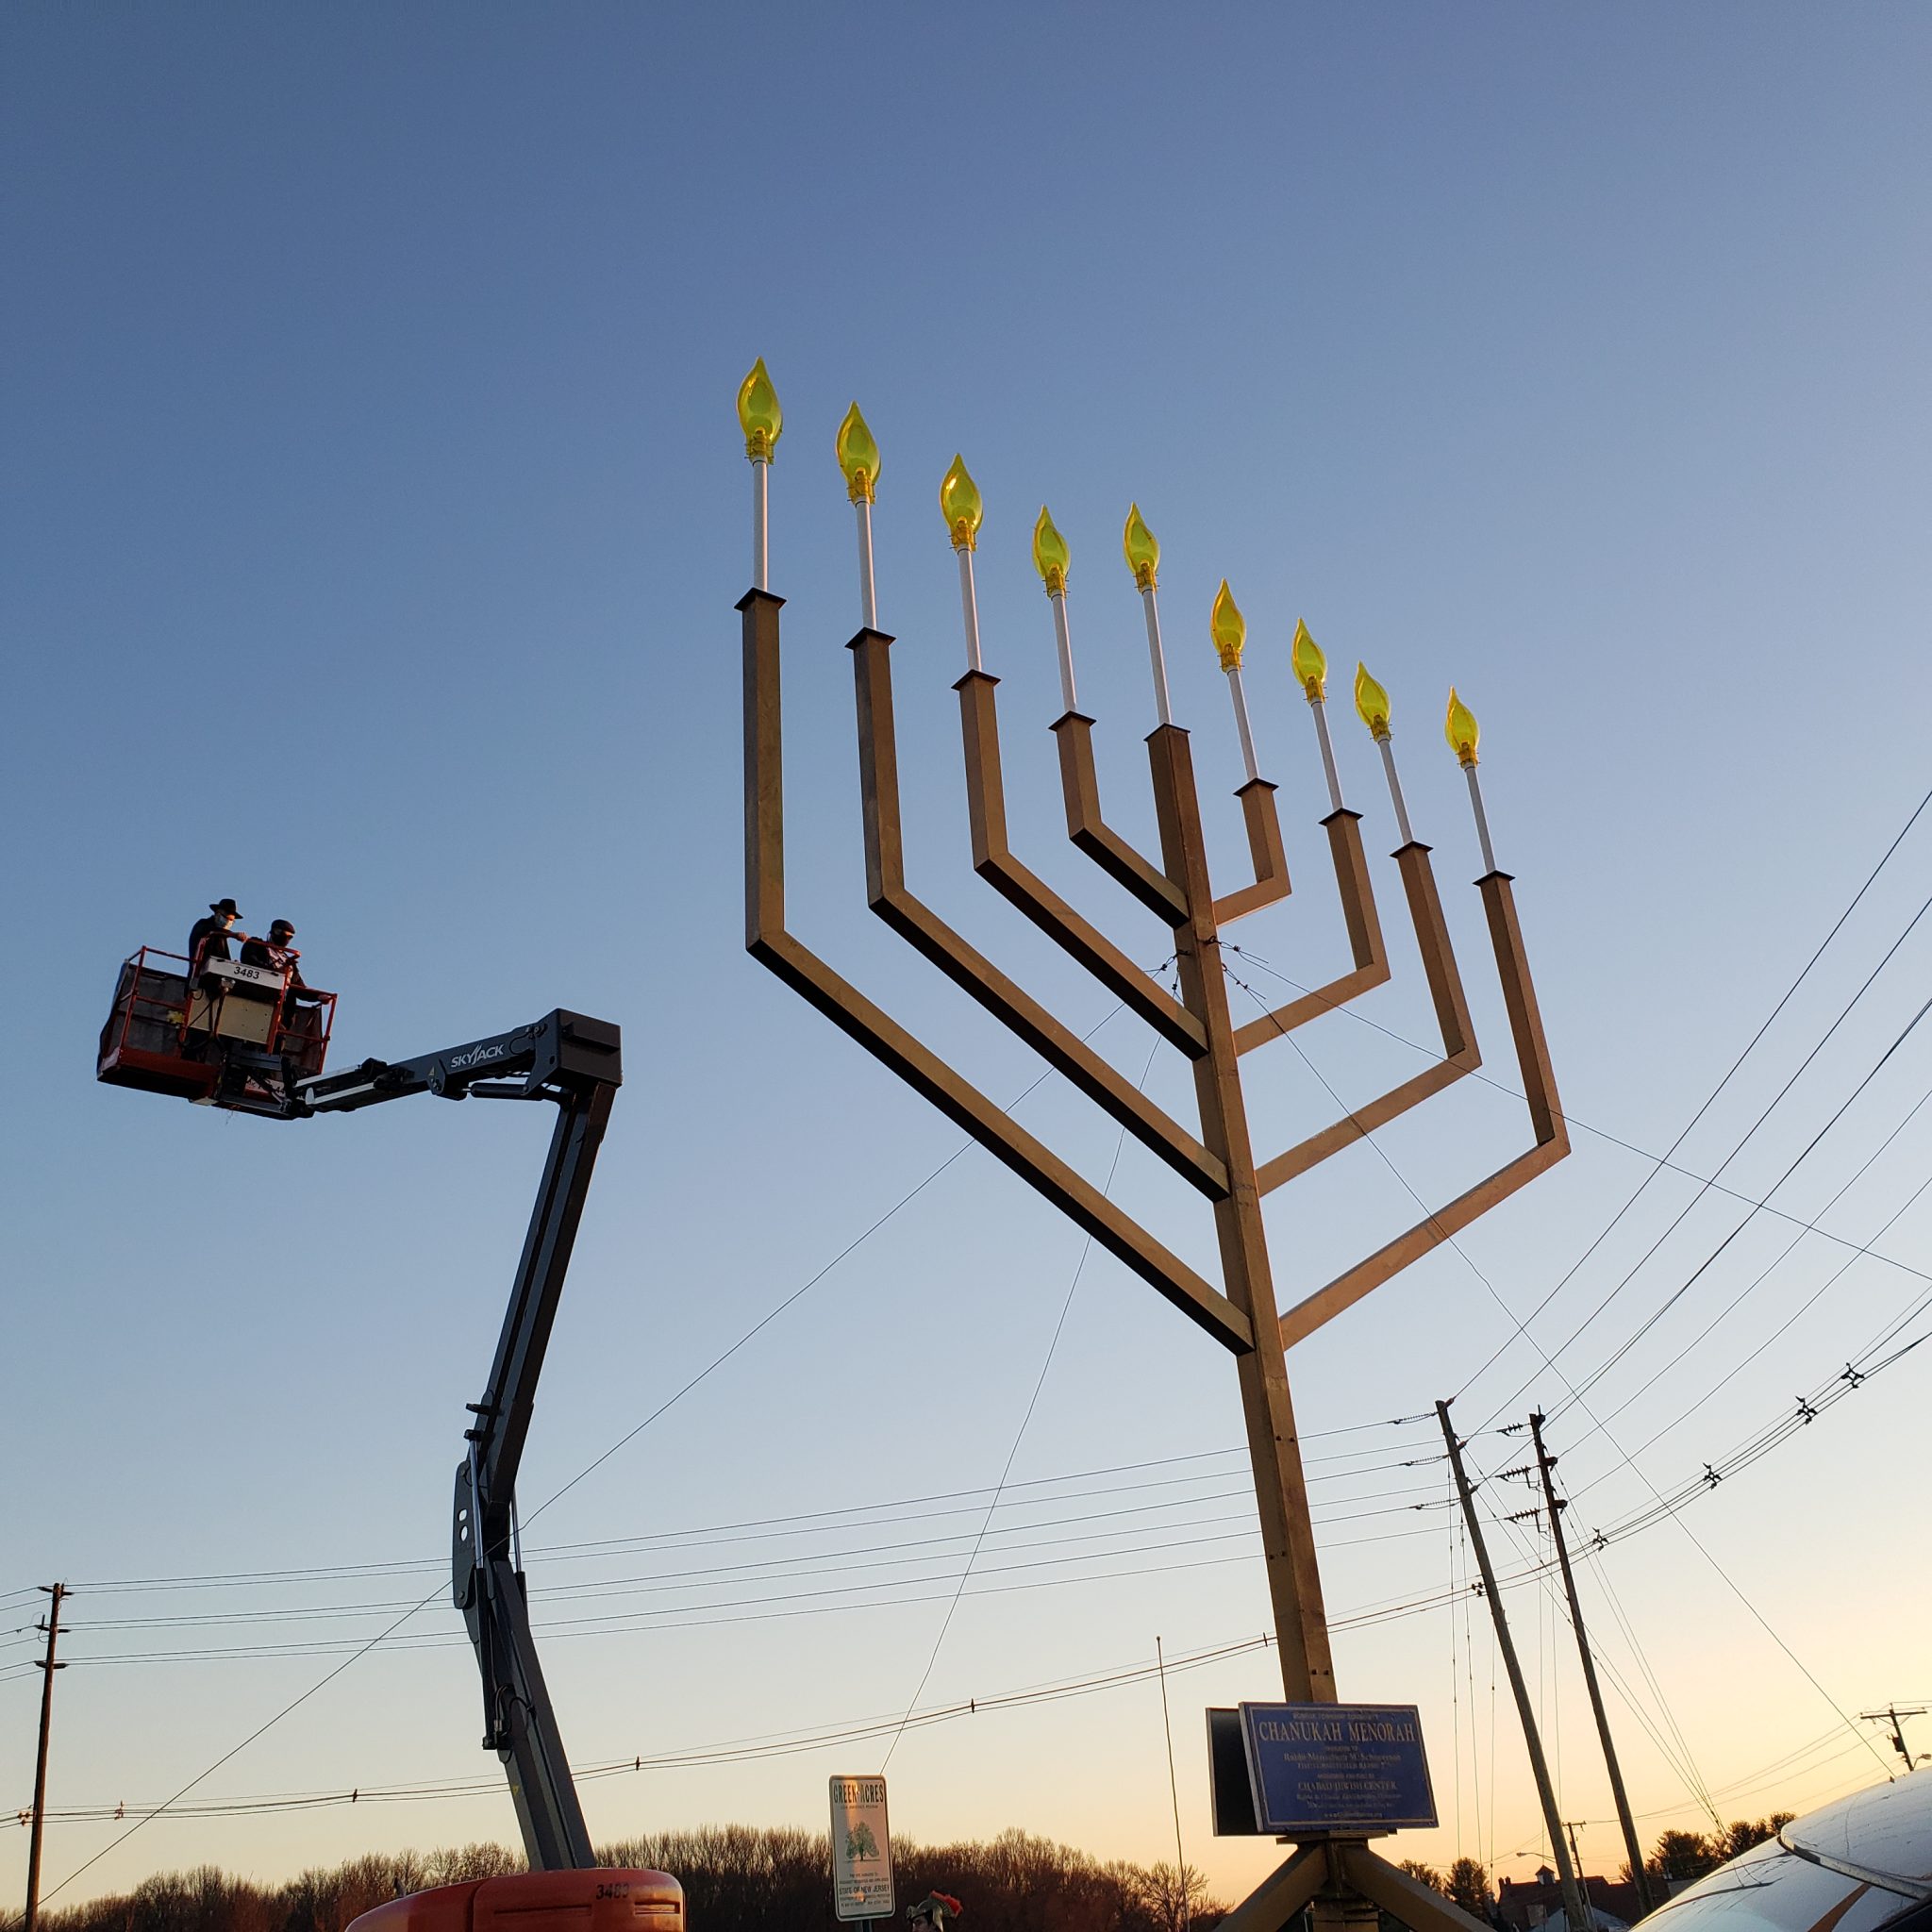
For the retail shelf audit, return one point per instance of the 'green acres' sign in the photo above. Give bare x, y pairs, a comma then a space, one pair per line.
861, 1849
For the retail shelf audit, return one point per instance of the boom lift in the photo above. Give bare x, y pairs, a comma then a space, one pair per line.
575, 1062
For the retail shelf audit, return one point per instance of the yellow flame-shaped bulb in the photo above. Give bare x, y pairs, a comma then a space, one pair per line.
1460, 728
1370, 702
1228, 628
1050, 555
1310, 666
1141, 549
858, 457
959, 501
759, 414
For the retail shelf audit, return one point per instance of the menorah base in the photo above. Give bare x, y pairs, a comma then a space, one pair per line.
1348, 1885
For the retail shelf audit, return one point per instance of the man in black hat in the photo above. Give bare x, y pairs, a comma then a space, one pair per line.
208, 938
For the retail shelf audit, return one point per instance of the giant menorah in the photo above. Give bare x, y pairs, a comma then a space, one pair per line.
1335, 1871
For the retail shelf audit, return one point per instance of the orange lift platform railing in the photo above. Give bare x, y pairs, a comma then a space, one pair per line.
243, 1038
214, 1032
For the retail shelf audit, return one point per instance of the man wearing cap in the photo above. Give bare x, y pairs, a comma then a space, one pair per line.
208, 938
278, 955
275, 952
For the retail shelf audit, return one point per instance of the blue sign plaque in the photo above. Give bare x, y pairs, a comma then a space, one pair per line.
1337, 1767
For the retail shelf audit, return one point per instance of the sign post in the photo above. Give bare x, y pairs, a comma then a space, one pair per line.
861, 1850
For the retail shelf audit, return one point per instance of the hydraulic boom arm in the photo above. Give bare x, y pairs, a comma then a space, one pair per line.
575, 1062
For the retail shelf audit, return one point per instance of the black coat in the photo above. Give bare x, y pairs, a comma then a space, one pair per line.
215, 933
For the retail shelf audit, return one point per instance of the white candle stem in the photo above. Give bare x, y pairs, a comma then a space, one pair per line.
969, 606
1328, 772
1157, 659
1482, 820
761, 559
1240, 720
1395, 790
1063, 638
868, 597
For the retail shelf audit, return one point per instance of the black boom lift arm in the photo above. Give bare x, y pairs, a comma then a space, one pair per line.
575, 1062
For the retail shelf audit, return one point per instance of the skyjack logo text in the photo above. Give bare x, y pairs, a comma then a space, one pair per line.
478, 1055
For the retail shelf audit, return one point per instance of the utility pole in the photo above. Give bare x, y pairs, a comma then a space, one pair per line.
1577, 1860
1891, 1715
1545, 1462
1580, 1920
56, 1591
1174, 1790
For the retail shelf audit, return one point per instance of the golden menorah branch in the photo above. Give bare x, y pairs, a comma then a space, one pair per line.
994, 861
993, 858
1265, 848
769, 941
1127, 867
964, 964
1365, 944
1550, 1143
1459, 1052
1095, 837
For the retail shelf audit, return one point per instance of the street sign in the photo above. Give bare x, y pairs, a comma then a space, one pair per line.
861, 1849
1337, 1767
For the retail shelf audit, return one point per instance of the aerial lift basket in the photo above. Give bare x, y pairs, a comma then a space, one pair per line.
226, 1036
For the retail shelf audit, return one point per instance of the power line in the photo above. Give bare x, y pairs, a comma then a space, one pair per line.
674, 1582
1345, 1509
1663, 1160
1862, 1369
740, 1751
202, 1776
1584, 1126
1678, 1755
1685, 1413
1666, 1507
759, 1529
1677, 1293
1549, 1363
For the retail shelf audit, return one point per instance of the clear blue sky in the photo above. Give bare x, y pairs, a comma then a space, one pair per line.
374, 514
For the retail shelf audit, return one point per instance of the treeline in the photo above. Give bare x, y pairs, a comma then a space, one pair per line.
1691, 1854
735, 1878
1676, 1856
738, 1878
